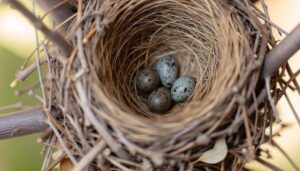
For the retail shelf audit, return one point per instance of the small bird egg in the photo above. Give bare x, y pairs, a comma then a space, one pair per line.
182, 88
167, 69
160, 100
147, 80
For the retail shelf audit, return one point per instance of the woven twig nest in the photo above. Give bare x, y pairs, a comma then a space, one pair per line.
220, 43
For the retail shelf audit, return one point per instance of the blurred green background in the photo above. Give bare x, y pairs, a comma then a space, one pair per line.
17, 42
19, 154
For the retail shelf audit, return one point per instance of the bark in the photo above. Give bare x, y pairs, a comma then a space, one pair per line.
22, 123
59, 11
282, 52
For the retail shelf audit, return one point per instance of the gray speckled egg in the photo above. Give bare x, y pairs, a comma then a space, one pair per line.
182, 88
167, 69
147, 80
160, 100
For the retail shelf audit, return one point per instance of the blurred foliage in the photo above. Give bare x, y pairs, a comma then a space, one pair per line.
18, 154
17, 33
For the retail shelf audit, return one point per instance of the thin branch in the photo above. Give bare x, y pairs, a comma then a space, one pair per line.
291, 105
62, 142
23, 74
55, 37
282, 52
269, 165
89, 157
37, 59
13, 106
26, 122
59, 10
276, 115
287, 157
22, 123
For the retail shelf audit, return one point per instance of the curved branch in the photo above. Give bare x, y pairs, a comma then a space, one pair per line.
282, 52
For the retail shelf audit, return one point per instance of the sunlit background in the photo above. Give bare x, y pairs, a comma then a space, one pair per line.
17, 42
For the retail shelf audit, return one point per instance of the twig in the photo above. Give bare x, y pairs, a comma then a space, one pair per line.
49, 153
23, 74
36, 96
56, 162
267, 82
289, 70
80, 38
22, 123
287, 157
260, 99
117, 164
89, 157
248, 132
59, 11
37, 59
100, 127
44, 136
266, 11
50, 75
33, 86
55, 37
60, 139
291, 105
79, 132
13, 106
269, 165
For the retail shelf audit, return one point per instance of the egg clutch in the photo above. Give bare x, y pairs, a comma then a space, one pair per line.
163, 86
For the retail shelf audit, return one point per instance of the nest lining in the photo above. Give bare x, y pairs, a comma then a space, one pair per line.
208, 45
211, 43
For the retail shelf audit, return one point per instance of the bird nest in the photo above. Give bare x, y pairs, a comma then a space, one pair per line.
107, 123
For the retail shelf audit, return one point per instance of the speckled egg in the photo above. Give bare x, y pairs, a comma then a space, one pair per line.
167, 69
147, 80
182, 88
160, 100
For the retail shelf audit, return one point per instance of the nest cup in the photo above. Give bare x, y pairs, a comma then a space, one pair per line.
142, 32
210, 41
203, 36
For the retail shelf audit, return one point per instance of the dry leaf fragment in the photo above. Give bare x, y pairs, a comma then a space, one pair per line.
66, 165
216, 154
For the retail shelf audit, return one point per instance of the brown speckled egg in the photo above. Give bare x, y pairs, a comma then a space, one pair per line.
160, 101
147, 80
